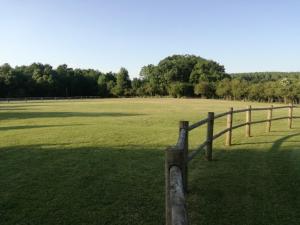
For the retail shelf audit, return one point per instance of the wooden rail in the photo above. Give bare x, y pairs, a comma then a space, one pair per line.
178, 156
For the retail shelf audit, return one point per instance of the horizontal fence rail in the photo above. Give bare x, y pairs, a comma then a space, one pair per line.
198, 124
178, 156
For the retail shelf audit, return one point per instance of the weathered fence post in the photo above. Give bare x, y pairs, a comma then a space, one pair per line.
290, 116
173, 157
269, 118
209, 137
177, 198
185, 125
229, 126
248, 121
167, 188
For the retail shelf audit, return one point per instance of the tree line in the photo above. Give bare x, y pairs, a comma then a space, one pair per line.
176, 76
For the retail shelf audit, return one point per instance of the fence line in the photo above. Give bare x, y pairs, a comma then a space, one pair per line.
178, 156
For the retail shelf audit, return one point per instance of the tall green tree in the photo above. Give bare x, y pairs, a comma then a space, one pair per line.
203, 89
223, 88
239, 89
207, 71
179, 89
123, 83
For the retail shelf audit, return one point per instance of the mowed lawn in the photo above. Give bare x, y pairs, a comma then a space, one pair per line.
102, 162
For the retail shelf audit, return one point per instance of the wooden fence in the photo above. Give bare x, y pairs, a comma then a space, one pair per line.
178, 156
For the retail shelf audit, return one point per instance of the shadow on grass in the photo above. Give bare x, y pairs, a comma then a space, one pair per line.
22, 107
249, 185
48, 184
37, 126
54, 184
14, 109
31, 115
252, 143
277, 144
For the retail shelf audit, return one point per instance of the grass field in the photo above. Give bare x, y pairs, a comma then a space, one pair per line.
102, 162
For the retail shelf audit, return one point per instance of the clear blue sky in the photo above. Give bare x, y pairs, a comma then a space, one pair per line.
242, 35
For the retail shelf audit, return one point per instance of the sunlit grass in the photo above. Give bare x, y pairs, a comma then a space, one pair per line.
102, 162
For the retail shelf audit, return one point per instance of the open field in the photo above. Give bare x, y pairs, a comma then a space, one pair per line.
102, 162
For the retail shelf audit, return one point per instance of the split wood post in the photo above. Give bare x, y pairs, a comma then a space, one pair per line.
290, 116
177, 198
173, 157
185, 125
248, 121
229, 126
269, 118
209, 137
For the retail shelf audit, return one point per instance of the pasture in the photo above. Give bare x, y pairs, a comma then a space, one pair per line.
102, 162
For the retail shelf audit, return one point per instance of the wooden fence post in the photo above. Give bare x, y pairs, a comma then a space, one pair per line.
290, 116
248, 121
229, 126
209, 137
167, 189
185, 125
269, 118
173, 157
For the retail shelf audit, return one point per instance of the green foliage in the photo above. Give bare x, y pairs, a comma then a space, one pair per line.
223, 88
204, 89
266, 76
187, 69
207, 71
41, 80
178, 89
123, 83
176, 75
106, 82
137, 87
270, 90
102, 84
239, 89
255, 92
154, 83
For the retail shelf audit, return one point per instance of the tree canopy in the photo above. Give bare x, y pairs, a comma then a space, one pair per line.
176, 76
